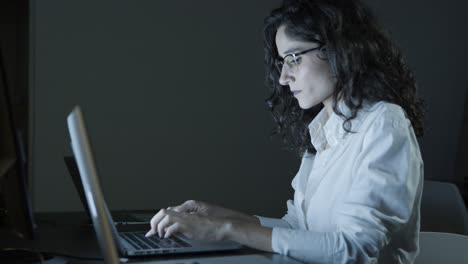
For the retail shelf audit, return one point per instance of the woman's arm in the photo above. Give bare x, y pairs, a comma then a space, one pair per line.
249, 234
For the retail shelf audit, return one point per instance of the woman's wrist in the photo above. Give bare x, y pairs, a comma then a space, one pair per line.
227, 229
244, 217
233, 228
247, 233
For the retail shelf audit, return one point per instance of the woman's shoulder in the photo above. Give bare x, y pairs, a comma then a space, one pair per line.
385, 112
383, 117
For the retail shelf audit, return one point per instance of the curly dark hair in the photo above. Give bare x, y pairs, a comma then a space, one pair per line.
367, 64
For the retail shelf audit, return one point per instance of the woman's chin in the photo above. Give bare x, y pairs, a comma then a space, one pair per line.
306, 105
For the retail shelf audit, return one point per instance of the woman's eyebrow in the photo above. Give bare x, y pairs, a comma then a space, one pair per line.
291, 50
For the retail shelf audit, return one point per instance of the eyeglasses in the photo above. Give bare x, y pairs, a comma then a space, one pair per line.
292, 60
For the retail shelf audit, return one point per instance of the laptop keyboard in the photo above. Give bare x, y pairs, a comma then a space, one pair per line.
139, 241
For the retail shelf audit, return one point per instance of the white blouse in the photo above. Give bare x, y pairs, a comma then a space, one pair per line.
357, 200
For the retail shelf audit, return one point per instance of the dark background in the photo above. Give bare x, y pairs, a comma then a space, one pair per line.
173, 96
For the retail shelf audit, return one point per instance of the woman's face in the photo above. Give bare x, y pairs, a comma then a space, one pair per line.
311, 80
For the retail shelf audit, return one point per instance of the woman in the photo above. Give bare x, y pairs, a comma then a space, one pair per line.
345, 100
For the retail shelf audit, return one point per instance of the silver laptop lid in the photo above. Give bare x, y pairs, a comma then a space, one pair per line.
100, 215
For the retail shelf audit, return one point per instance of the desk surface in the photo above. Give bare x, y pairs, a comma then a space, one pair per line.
71, 234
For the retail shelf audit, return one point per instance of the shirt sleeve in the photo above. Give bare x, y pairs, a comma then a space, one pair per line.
380, 201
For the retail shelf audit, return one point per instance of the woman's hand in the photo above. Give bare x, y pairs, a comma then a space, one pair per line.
194, 226
206, 209
195, 222
196, 207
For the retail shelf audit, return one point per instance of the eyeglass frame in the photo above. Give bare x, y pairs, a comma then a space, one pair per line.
280, 62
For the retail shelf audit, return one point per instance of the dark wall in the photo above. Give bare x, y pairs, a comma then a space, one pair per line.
173, 97
461, 165
173, 94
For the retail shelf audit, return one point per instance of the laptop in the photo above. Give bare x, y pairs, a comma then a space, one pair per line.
124, 242
121, 218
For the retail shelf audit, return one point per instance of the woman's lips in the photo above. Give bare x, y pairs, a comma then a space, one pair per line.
296, 92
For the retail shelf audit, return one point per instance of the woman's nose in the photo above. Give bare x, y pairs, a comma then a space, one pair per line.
285, 77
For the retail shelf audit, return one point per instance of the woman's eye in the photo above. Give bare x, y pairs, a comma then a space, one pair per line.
295, 61
289, 61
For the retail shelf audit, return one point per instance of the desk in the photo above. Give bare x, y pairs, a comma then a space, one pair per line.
71, 234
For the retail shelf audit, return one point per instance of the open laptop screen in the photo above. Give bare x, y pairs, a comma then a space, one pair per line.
100, 216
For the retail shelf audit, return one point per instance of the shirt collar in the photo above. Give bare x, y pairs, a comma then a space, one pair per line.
329, 130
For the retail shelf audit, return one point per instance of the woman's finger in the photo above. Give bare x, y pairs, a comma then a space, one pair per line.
167, 221
155, 221
171, 230
187, 206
